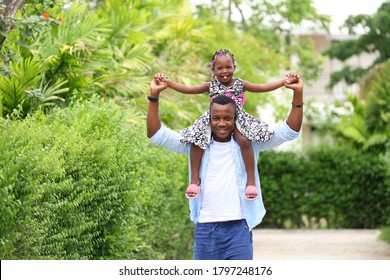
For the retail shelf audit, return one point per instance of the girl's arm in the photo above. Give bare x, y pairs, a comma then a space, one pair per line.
262, 87
202, 88
288, 79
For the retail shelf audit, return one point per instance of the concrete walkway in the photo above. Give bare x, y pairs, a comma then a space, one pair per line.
271, 244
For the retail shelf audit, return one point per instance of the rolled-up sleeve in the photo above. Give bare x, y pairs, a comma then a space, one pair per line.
169, 139
283, 133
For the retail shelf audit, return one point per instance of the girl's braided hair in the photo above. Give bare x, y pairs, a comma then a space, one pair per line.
228, 54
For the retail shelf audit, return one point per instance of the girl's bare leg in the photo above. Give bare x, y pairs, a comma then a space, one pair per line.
196, 154
249, 161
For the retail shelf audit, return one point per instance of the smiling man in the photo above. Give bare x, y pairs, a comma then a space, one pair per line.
224, 219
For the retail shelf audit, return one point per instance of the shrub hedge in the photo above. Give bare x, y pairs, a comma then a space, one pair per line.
86, 183
336, 187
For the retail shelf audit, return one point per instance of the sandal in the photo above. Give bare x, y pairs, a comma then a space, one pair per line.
192, 191
251, 192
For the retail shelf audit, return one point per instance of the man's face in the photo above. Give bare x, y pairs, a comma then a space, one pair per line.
222, 121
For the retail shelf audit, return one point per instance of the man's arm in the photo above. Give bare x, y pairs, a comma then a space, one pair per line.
159, 134
294, 119
153, 121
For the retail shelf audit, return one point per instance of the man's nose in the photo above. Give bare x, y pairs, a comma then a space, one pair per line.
221, 123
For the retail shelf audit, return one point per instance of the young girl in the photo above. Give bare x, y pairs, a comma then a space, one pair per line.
223, 65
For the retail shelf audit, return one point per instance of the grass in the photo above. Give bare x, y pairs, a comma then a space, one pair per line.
385, 234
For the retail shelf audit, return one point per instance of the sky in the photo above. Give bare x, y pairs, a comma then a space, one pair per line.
339, 10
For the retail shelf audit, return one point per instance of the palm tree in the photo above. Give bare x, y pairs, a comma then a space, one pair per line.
368, 127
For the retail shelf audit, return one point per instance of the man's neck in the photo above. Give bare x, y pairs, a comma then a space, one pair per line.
224, 141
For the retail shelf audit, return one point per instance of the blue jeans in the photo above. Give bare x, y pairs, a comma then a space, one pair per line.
230, 240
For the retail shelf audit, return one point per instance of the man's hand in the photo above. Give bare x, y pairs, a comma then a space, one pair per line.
160, 78
294, 82
157, 86
290, 78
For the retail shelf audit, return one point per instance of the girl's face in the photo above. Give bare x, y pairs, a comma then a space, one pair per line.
224, 69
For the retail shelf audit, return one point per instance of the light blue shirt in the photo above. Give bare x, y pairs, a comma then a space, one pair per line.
253, 210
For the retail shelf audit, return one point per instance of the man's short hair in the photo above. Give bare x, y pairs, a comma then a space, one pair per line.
223, 100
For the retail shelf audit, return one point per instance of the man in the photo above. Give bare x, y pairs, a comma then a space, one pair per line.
224, 219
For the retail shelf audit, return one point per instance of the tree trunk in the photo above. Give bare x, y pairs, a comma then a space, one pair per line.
11, 8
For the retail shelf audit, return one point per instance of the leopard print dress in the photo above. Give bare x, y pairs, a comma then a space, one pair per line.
252, 128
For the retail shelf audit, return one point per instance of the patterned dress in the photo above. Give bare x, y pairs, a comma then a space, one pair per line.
252, 128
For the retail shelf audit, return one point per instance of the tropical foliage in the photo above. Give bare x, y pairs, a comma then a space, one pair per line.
363, 124
375, 39
113, 47
364, 120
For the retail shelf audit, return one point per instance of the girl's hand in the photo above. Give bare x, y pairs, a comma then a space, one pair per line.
161, 79
290, 78
296, 85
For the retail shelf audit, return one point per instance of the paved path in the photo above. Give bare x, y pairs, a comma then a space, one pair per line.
270, 244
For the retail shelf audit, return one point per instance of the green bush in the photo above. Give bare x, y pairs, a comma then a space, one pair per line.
282, 199
85, 183
385, 234
332, 187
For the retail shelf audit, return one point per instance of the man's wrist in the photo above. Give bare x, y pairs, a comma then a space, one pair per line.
298, 92
152, 98
297, 105
155, 93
